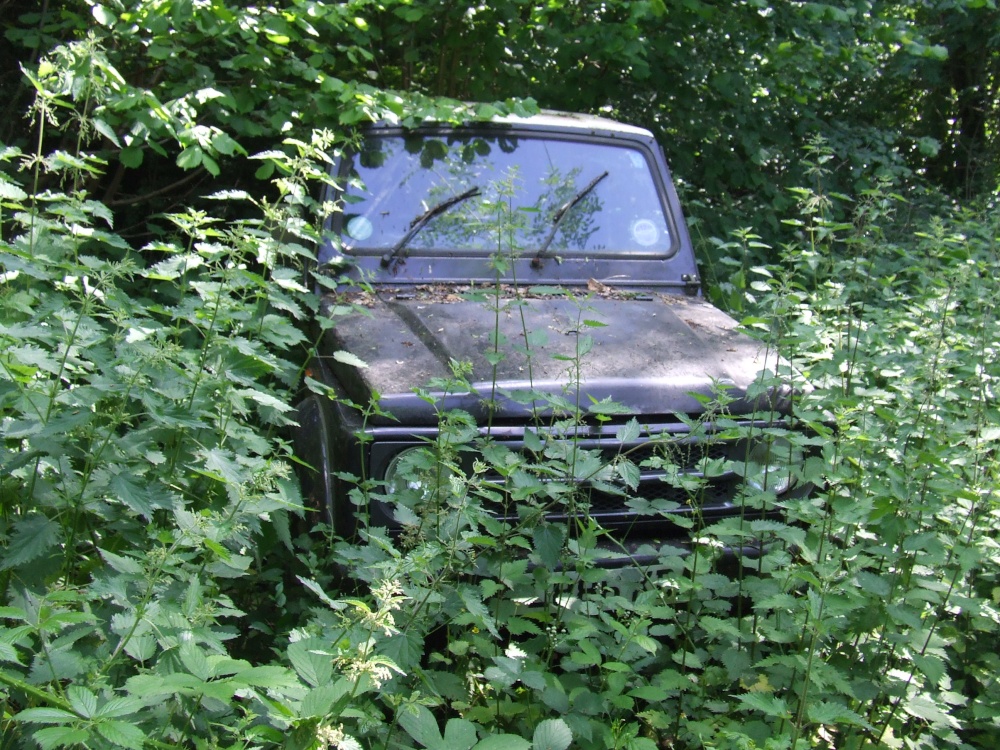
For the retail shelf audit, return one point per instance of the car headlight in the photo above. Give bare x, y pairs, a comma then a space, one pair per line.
772, 464
405, 471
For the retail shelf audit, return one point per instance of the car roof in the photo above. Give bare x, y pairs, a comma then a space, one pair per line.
574, 121
546, 119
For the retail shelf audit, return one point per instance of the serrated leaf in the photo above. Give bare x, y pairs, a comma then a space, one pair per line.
121, 564
318, 701
175, 266
629, 473
11, 192
548, 541
766, 703
932, 667
314, 668
268, 676
194, 660
264, 399
120, 707
552, 734
121, 734
106, 130
520, 626
9, 653
628, 431
474, 604
82, 700
53, 737
45, 716
873, 584
825, 712
141, 647
33, 537
651, 693
349, 359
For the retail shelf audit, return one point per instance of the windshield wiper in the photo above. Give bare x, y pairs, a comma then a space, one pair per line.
421, 221
536, 262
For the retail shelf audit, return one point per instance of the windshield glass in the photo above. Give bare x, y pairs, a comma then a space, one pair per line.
473, 195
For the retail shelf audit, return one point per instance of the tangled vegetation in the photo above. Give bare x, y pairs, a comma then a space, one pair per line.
163, 585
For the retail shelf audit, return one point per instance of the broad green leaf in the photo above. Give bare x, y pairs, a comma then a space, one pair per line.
103, 16
45, 716
117, 707
33, 537
9, 653
475, 607
210, 165
502, 742
319, 701
873, 584
264, 399
82, 700
826, 712
459, 734
11, 192
628, 431
54, 737
190, 157
194, 660
122, 734
418, 722
315, 669
766, 703
548, 541
932, 667
131, 156
552, 734
122, 564
267, 676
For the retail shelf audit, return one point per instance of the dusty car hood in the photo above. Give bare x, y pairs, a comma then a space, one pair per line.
649, 352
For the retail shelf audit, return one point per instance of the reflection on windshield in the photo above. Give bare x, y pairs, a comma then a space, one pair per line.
526, 195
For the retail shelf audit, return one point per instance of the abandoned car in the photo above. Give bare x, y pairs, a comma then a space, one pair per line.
535, 276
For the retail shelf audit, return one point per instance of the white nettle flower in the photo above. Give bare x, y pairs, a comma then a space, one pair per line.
334, 737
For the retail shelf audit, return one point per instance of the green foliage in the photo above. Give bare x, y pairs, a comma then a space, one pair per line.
156, 592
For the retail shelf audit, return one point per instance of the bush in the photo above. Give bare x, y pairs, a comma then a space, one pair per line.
157, 593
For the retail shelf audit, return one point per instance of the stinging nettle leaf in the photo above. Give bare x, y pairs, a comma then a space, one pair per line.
33, 537
11, 192
349, 359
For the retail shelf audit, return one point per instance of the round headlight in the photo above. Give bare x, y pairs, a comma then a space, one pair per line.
771, 465
403, 472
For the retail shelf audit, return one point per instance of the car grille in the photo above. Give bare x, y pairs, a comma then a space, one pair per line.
676, 472
659, 491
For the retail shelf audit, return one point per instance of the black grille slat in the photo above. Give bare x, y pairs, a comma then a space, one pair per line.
688, 456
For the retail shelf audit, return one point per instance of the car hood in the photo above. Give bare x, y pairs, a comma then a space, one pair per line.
654, 354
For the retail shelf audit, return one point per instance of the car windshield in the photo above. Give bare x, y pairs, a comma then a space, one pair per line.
473, 195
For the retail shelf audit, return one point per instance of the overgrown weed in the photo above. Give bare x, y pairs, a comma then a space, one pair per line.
147, 493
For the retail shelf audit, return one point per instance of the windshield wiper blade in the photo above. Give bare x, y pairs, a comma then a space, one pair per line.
560, 214
421, 221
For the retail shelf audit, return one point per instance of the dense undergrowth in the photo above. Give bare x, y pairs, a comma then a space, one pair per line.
163, 586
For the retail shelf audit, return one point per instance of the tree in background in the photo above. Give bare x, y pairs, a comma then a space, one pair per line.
733, 90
